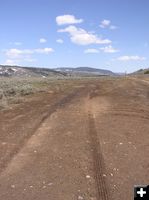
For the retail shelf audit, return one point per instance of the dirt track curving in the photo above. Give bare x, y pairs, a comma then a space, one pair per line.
87, 144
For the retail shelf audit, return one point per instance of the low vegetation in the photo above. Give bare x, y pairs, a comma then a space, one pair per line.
14, 90
146, 72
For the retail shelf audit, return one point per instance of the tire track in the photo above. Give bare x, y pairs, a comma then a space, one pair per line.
53, 108
99, 166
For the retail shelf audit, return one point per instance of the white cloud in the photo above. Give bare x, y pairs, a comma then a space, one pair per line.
129, 58
18, 43
109, 49
60, 41
112, 27
43, 51
107, 24
43, 40
15, 43
30, 59
19, 55
82, 37
91, 51
67, 19
10, 62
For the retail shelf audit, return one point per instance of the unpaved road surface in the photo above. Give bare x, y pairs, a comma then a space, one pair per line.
88, 144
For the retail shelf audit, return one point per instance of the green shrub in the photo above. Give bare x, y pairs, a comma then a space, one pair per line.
146, 72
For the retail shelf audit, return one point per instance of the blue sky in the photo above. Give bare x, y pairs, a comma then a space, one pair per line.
109, 34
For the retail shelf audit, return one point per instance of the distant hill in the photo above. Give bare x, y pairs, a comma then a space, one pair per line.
17, 71
85, 71
142, 71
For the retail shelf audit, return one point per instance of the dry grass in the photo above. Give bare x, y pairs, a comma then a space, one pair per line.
14, 90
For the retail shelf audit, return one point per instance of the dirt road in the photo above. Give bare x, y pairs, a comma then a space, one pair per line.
88, 144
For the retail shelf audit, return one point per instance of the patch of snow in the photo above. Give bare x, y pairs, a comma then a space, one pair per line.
14, 69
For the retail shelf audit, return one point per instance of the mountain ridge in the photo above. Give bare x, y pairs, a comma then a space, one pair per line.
19, 71
86, 70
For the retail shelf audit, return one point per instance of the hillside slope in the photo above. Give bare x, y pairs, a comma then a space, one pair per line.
85, 71
17, 71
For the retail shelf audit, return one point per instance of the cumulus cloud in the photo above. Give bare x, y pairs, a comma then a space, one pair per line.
16, 61
129, 58
43, 51
19, 55
82, 37
67, 19
91, 51
112, 27
16, 53
109, 49
15, 43
60, 41
42, 40
107, 24
10, 62
18, 43
30, 60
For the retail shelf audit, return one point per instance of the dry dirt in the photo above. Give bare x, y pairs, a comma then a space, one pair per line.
88, 144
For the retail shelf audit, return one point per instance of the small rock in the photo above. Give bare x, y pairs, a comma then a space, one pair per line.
80, 198
44, 187
12, 186
111, 174
50, 184
87, 176
104, 175
120, 143
115, 169
93, 198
